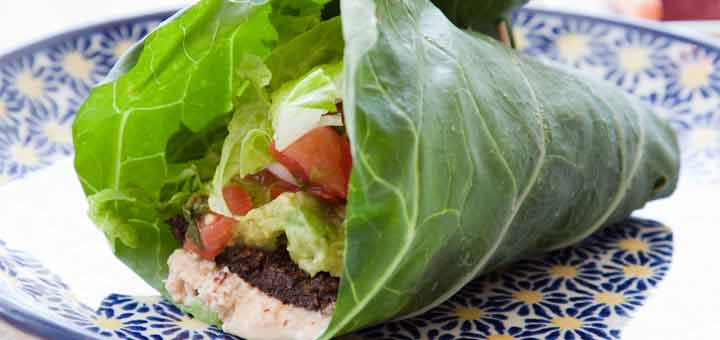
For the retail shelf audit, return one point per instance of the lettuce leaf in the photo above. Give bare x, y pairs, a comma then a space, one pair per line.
321, 45
294, 17
298, 106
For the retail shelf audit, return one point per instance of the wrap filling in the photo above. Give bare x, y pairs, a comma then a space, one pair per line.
273, 213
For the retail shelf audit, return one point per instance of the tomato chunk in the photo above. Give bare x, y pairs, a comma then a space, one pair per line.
237, 199
321, 158
215, 231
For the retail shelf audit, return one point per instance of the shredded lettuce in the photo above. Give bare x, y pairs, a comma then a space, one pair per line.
293, 17
299, 106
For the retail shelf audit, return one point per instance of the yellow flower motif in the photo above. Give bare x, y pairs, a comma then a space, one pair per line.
633, 245
634, 59
567, 323
564, 271
500, 337
696, 75
468, 313
191, 324
572, 46
77, 66
30, 86
610, 298
121, 47
528, 296
23, 155
108, 324
57, 133
639, 271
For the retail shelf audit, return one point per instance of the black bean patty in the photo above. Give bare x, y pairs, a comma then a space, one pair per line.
274, 273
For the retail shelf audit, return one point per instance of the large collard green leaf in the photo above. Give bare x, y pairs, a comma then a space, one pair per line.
468, 156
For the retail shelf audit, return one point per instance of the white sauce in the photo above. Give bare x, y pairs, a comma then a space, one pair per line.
245, 311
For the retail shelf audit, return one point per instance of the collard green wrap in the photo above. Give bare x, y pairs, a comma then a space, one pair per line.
466, 155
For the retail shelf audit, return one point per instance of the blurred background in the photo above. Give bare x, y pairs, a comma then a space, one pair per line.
23, 21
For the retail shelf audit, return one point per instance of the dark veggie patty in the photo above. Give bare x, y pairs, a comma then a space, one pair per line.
274, 273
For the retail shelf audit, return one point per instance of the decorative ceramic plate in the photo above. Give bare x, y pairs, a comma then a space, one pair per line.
57, 279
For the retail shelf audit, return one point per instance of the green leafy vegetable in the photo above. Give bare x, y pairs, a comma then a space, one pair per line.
293, 17
114, 228
321, 45
298, 106
466, 155
494, 157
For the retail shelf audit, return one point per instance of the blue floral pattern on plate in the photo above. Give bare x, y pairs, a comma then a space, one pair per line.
587, 291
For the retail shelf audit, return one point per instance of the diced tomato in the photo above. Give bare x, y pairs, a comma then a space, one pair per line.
237, 199
321, 158
215, 231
